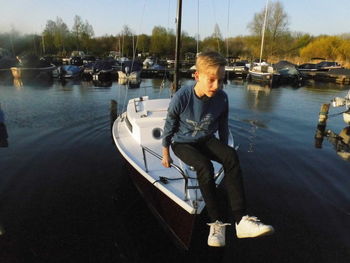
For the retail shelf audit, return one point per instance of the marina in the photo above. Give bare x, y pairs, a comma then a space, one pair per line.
85, 177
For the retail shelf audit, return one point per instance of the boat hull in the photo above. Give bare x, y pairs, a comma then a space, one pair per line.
263, 78
32, 73
175, 220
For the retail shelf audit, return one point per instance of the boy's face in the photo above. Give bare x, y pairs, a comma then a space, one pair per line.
210, 80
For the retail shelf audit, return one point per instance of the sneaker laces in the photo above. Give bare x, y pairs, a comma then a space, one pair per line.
253, 220
217, 226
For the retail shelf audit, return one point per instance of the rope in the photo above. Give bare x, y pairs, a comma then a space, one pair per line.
336, 114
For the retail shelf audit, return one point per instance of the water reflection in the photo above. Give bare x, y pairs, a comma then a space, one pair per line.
132, 83
258, 97
19, 83
102, 84
341, 142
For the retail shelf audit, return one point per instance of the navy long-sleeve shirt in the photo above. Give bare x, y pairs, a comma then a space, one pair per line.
191, 118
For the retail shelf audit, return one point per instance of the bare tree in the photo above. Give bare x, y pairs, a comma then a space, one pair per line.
276, 27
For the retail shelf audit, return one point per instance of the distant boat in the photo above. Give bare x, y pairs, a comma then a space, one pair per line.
237, 68
130, 83
6, 63
262, 72
308, 67
288, 73
148, 62
129, 76
321, 66
30, 67
328, 65
68, 72
101, 70
131, 70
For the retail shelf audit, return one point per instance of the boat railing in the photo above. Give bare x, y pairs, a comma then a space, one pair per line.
185, 177
183, 174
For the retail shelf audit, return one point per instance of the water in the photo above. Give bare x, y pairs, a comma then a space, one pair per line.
65, 195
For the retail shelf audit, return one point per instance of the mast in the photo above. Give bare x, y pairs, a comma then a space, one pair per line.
228, 24
263, 32
177, 46
197, 27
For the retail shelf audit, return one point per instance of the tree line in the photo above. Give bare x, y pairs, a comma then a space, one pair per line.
279, 42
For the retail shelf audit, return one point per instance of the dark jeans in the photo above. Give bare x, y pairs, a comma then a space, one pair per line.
199, 155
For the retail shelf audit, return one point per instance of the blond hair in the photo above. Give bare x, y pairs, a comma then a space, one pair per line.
209, 59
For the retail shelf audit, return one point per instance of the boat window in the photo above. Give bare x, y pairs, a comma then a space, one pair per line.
157, 133
128, 124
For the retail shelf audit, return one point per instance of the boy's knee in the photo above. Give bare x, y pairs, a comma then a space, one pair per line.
205, 172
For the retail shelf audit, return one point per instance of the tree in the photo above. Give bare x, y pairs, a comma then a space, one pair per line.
237, 47
329, 47
143, 43
189, 44
276, 30
82, 33
159, 40
55, 35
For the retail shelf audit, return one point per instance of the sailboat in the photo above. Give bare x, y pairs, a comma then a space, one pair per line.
262, 72
171, 193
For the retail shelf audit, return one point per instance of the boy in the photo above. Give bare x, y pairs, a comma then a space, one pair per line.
194, 115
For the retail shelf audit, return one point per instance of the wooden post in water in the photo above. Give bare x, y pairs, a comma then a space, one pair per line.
113, 111
321, 126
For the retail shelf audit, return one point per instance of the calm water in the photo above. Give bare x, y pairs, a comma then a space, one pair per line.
65, 195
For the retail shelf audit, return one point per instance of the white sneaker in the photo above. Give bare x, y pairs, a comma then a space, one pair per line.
250, 226
216, 236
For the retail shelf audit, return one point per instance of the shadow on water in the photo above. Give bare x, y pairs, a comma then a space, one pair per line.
3, 130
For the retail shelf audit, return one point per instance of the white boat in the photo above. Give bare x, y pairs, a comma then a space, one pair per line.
172, 193
130, 70
135, 75
262, 72
148, 62
343, 102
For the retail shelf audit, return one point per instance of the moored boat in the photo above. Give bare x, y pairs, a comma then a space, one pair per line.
263, 73
68, 72
172, 193
131, 70
288, 73
32, 68
6, 63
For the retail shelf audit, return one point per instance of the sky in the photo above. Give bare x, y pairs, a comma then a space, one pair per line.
108, 17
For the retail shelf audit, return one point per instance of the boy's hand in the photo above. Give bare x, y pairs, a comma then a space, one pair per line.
166, 160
